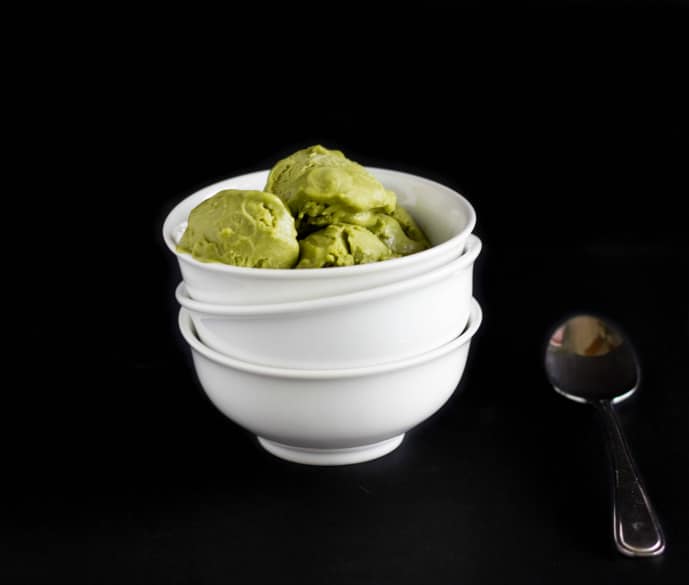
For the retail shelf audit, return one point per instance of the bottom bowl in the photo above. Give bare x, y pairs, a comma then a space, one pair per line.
331, 417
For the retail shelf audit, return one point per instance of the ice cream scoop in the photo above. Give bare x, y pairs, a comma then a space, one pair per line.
242, 228
399, 232
322, 187
342, 244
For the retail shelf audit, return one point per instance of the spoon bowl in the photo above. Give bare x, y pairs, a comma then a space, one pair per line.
590, 361
587, 359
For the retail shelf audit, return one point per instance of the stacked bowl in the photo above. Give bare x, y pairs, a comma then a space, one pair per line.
331, 366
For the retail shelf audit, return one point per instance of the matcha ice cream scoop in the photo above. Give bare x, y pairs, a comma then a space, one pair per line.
399, 232
243, 228
342, 245
323, 187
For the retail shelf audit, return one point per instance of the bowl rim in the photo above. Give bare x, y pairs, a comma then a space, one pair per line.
187, 330
460, 263
317, 273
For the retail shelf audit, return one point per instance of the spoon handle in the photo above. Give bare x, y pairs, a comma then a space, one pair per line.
636, 528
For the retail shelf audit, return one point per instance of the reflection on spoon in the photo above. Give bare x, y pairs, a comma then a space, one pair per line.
585, 335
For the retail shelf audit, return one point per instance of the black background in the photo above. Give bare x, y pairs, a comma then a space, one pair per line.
565, 124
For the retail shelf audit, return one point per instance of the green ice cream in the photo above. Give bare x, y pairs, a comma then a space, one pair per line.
322, 187
243, 228
399, 232
341, 213
342, 245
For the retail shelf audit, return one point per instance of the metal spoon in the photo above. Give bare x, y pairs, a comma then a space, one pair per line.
589, 361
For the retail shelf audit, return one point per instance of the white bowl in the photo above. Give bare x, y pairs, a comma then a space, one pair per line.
380, 325
331, 417
446, 217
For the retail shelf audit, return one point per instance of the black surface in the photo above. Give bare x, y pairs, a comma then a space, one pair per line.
567, 129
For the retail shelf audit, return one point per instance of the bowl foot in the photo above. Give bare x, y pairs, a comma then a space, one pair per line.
331, 456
